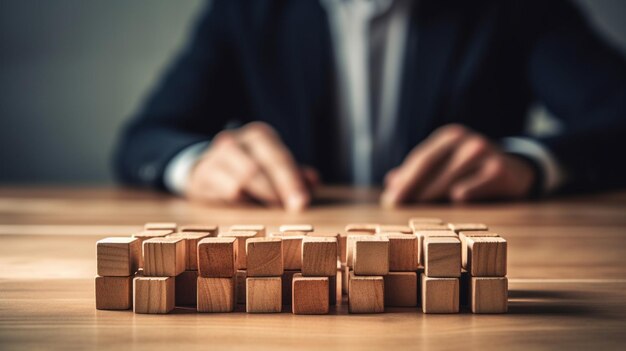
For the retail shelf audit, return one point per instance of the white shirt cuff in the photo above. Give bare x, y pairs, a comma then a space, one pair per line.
554, 175
178, 169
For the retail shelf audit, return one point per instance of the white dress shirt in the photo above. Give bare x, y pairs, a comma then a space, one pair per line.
369, 39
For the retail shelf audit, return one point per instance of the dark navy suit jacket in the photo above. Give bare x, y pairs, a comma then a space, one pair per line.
479, 63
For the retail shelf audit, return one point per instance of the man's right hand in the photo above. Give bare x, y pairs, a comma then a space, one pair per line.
251, 163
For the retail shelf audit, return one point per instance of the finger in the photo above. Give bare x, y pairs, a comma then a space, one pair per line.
390, 176
421, 162
248, 173
264, 145
217, 184
465, 158
484, 184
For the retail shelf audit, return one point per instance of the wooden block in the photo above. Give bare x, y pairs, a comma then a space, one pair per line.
209, 229
114, 293
153, 294
401, 289
191, 240
292, 252
362, 228
421, 234
310, 295
160, 226
417, 221
287, 278
164, 257
466, 227
350, 240
440, 295
403, 252
371, 256
186, 288
216, 294
263, 295
463, 237
149, 234
387, 228
118, 257
265, 257
242, 239
489, 294
259, 229
341, 242
217, 257
306, 228
366, 294
442, 257
429, 227
240, 283
486, 256
319, 256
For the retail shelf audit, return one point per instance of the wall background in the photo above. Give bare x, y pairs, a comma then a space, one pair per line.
72, 71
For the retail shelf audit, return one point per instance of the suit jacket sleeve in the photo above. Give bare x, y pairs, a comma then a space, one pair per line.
582, 81
194, 100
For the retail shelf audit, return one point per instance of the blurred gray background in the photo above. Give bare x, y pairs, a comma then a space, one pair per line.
72, 71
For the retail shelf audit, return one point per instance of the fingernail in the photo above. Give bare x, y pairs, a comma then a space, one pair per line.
296, 202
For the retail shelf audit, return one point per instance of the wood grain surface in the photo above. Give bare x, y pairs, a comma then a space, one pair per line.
566, 270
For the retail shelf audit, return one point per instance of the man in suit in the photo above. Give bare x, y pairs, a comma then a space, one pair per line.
427, 97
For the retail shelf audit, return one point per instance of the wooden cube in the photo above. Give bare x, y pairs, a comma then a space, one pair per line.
390, 228
466, 227
341, 242
440, 295
401, 289
164, 257
417, 221
259, 229
292, 251
217, 257
366, 294
153, 294
191, 240
421, 234
149, 234
310, 295
486, 256
463, 237
186, 288
265, 257
300, 228
350, 239
216, 294
371, 256
209, 229
442, 257
242, 239
403, 252
160, 226
319, 256
114, 293
240, 283
263, 295
489, 294
287, 279
118, 257
370, 228
428, 227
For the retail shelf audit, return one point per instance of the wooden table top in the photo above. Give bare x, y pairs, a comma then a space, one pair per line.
567, 273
